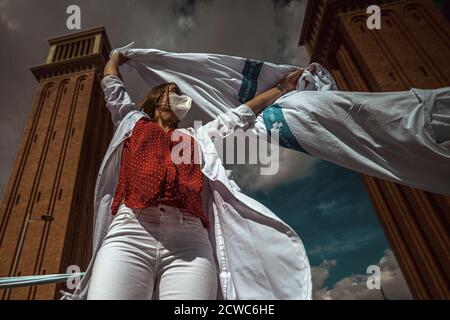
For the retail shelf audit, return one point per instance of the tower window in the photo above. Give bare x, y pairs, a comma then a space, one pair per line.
35, 137
71, 47
38, 197
425, 73
392, 76
54, 133
73, 131
65, 51
58, 53
77, 46
60, 193
47, 217
83, 43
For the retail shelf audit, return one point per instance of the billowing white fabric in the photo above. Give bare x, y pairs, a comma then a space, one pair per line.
400, 136
215, 82
407, 143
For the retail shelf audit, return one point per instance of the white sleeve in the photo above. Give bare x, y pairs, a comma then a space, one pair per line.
226, 123
117, 99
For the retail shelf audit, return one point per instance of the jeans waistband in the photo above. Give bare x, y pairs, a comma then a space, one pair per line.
159, 213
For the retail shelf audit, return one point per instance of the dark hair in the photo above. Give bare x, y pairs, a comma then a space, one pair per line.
155, 95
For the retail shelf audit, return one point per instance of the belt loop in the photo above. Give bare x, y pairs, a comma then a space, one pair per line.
180, 217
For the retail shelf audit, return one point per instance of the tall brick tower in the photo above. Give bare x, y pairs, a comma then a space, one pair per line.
46, 211
410, 50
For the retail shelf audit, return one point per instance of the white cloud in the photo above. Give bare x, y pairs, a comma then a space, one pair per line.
5, 18
293, 166
289, 20
8, 21
321, 273
354, 287
186, 23
350, 243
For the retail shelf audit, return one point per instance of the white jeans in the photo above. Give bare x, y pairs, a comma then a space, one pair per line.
154, 253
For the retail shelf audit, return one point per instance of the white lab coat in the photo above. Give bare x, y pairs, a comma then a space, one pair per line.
257, 254
399, 136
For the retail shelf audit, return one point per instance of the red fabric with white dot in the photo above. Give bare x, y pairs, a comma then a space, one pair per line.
148, 175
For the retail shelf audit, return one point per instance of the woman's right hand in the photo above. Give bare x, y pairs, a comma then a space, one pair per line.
120, 58
112, 66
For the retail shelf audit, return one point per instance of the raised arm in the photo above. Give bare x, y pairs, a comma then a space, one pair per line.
242, 116
266, 98
112, 66
117, 99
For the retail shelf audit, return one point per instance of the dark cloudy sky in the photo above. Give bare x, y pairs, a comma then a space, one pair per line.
326, 205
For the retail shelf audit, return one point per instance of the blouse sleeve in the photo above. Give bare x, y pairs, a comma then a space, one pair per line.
117, 99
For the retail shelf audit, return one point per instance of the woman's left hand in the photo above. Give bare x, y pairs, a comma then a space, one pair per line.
264, 99
289, 82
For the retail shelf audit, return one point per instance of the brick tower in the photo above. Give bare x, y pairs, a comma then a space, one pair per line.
410, 50
46, 210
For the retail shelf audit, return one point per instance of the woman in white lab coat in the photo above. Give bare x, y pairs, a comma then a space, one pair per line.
142, 253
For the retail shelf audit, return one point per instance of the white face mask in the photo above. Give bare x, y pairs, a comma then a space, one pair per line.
180, 104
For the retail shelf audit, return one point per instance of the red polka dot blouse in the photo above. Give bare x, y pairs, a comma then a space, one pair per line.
148, 176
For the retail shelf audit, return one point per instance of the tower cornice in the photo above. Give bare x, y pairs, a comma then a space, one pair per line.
320, 23
55, 69
75, 52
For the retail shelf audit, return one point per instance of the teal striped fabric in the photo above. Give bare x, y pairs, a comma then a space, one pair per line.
251, 71
273, 118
